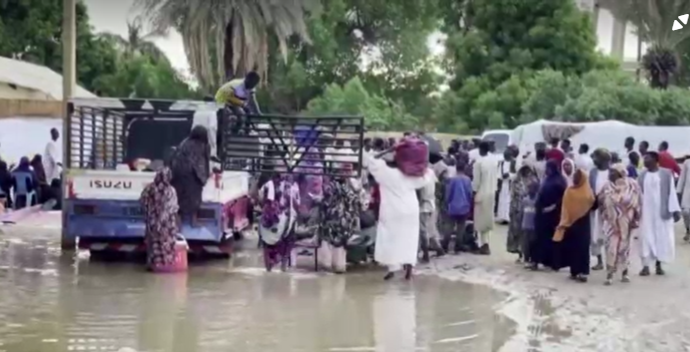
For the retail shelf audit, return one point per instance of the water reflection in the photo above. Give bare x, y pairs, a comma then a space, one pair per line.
50, 302
395, 320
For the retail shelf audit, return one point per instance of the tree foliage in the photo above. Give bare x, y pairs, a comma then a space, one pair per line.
384, 43
353, 99
31, 30
519, 61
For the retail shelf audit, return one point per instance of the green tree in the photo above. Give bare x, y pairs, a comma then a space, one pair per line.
507, 41
353, 99
145, 77
136, 43
391, 36
31, 31
226, 39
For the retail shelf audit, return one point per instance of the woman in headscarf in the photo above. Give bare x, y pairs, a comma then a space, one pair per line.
342, 204
310, 182
548, 211
574, 233
43, 193
5, 183
159, 202
620, 206
568, 170
526, 175
279, 198
190, 170
24, 183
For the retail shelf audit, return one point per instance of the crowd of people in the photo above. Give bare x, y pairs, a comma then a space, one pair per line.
567, 207
31, 181
561, 207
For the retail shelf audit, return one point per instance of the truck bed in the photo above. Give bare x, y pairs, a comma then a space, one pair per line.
128, 185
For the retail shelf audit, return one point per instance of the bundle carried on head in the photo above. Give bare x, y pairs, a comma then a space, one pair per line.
412, 156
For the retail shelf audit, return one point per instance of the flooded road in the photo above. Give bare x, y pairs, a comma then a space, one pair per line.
54, 302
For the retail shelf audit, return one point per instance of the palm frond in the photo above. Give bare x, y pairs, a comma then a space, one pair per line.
204, 26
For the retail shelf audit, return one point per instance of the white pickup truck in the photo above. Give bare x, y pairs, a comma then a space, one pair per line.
102, 207
104, 212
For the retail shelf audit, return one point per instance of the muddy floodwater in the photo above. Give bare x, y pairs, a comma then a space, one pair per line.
65, 302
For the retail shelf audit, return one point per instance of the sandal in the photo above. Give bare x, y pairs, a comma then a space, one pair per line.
408, 271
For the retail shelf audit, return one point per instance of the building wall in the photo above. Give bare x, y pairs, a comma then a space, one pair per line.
29, 108
9, 91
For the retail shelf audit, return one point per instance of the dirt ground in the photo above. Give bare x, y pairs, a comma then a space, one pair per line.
559, 315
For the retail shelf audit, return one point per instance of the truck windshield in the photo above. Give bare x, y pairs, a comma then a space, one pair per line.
500, 140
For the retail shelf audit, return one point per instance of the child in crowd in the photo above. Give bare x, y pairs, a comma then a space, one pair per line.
528, 235
458, 204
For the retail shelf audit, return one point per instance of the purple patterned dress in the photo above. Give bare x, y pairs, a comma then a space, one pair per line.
279, 197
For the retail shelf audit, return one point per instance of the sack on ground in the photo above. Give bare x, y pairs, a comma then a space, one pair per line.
412, 157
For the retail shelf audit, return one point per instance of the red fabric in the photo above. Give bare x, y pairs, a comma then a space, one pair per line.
412, 156
555, 154
667, 161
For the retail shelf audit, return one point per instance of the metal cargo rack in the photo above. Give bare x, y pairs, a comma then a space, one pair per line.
268, 143
98, 129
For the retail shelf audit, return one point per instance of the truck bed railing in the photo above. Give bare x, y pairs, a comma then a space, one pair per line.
99, 130
293, 144
95, 138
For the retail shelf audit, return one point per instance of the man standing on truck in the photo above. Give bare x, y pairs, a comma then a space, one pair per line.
238, 95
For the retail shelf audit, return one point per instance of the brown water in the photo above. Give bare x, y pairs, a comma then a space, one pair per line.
55, 302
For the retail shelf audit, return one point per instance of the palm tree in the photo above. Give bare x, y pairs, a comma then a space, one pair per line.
136, 43
654, 21
227, 38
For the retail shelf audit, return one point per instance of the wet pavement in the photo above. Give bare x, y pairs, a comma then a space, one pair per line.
65, 302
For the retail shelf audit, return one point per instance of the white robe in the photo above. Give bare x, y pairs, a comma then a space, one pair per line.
397, 233
484, 183
503, 213
50, 162
657, 238
597, 222
584, 162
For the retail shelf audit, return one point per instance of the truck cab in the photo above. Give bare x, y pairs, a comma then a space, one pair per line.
102, 208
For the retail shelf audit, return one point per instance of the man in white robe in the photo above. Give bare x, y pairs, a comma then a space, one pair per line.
484, 184
660, 209
397, 232
51, 162
506, 172
582, 160
598, 178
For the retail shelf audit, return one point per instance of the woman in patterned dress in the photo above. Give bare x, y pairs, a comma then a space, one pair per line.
279, 199
159, 202
342, 204
620, 206
526, 175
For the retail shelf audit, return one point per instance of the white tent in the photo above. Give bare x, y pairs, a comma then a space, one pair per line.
608, 134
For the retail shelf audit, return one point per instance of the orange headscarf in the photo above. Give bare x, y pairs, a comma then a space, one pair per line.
577, 202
